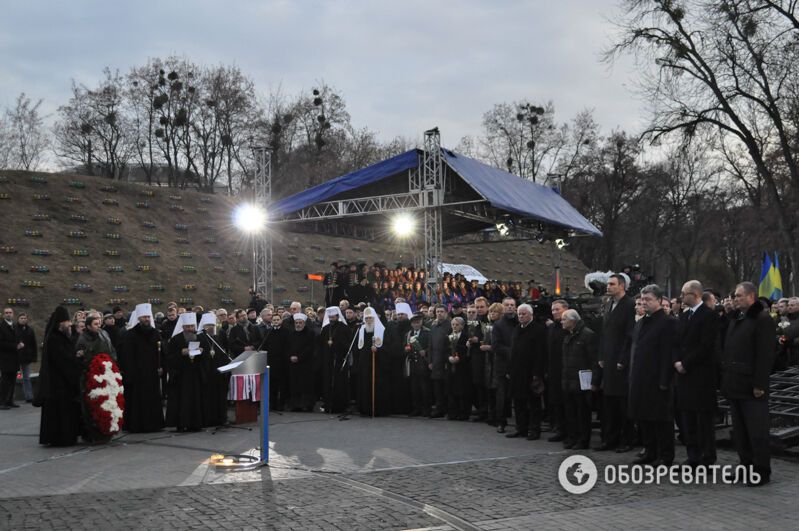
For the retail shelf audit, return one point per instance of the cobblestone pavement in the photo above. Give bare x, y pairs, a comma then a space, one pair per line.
393, 473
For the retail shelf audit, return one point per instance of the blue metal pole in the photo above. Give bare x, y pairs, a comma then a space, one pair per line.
265, 416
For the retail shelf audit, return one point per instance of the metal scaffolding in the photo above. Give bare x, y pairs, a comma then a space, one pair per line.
432, 193
262, 240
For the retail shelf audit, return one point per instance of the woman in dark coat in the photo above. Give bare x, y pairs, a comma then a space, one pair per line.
459, 372
59, 393
28, 354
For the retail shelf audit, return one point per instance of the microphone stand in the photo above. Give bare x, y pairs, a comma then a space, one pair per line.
348, 358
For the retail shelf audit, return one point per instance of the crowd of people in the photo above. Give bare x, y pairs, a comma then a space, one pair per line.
646, 365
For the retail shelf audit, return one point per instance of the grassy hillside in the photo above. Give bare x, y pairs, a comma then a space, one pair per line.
141, 243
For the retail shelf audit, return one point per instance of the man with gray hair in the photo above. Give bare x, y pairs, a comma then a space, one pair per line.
555, 336
579, 355
528, 354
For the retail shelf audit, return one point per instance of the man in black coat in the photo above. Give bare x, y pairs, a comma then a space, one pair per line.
300, 351
749, 351
334, 342
393, 347
528, 354
184, 408
417, 350
274, 343
578, 353
140, 361
216, 383
9, 359
555, 336
614, 366
242, 336
501, 339
28, 354
651, 396
59, 393
695, 362
439, 351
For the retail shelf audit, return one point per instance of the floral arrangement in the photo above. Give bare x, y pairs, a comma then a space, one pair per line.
183, 241
39, 269
41, 252
150, 238
219, 269
41, 197
80, 269
185, 254
76, 234
453, 347
111, 252
112, 202
115, 269
143, 268
80, 252
181, 226
782, 328
148, 224
114, 221
103, 395
142, 204
30, 233
18, 301
77, 184
112, 236
109, 189
41, 216
79, 218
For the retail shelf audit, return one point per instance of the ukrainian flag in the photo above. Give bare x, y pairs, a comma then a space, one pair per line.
770, 278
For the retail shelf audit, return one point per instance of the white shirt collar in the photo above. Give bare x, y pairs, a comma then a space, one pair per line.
696, 307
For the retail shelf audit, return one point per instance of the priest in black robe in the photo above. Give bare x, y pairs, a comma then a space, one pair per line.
59, 393
184, 407
140, 364
334, 343
216, 383
400, 382
300, 352
369, 349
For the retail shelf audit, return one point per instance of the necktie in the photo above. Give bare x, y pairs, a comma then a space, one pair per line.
690, 314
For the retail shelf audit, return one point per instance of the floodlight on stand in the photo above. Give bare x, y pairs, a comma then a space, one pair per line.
560, 243
249, 218
502, 229
403, 225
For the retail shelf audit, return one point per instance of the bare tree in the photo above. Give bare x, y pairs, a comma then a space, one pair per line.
25, 136
726, 66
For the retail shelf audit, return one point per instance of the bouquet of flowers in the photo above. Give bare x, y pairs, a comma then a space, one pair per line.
473, 327
413, 346
103, 395
782, 328
487, 331
453, 347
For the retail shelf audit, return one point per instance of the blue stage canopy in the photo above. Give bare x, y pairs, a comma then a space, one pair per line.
502, 190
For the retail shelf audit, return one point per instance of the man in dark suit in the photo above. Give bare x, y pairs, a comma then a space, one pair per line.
749, 351
695, 363
651, 397
614, 361
528, 353
9, 359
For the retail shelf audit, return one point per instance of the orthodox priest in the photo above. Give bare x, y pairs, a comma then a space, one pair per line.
216, 384
373, 367
184, 407
300, 352
334, 343
59, 393
140, 364
395, 351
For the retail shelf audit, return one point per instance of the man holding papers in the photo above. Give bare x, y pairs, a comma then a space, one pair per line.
579, 357
185, 363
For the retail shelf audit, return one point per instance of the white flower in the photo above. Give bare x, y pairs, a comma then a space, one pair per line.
111, 390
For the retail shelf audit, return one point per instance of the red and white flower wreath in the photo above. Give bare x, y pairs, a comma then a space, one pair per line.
104, 394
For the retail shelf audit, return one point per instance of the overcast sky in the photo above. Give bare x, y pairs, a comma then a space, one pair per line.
402, 66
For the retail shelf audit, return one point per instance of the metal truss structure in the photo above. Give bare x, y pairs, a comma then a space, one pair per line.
432, 188
262, 270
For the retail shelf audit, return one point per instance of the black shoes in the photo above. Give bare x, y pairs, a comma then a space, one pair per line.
500, 429
558, 437
514, 435
623, 449
533, 436
644, 460
604, 447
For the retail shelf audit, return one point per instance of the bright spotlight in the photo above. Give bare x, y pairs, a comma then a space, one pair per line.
502, 229
560, 243
249, 218
403, 225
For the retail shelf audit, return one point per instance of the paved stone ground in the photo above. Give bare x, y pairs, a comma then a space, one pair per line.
389, 473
